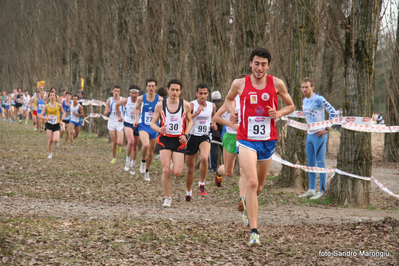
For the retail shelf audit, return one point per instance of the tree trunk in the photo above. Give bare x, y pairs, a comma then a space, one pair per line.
391, 141
355, 147
304, 45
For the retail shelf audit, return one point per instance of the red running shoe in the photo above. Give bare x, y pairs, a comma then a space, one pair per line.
202, 191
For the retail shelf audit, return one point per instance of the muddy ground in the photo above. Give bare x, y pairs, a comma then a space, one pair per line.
78, 209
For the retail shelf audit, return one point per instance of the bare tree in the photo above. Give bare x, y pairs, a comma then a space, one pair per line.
355, 147
304, 43
391, 141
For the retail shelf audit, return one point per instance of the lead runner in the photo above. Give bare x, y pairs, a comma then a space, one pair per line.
257, 133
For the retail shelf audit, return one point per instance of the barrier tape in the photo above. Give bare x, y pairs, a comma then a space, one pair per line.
93, 102
328, 170
357, 124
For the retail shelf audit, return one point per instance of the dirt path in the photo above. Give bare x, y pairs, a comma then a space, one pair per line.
69, 202
78, 209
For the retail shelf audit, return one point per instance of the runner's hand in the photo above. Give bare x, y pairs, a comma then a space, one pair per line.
162, 131
273, 114
120, 119
199, 109
234, 117
182, 139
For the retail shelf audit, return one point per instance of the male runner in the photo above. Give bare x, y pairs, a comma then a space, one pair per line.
202, 113
25, 106
114, 126
66, 104
53, 121
175, 114
131, 132
146, 104
257, 134
18, 104
41, 102
229, 149
75, 122
11, 110
4, 100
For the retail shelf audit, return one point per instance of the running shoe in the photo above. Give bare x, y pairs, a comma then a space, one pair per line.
26, 123
127, 166
56, 145
188, 198
20, 122
202, 191
240, 205
71, 145
245, 214
254, 240
218, 179
118, 149
142, 168
308, 194
113, 160
167, 202
50, 156
132, 171
147, 176
317, 195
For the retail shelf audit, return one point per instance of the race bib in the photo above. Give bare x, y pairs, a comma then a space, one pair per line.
148, 117
174, 126
41, 106
202, 127
259, 127
132, 115
53, 119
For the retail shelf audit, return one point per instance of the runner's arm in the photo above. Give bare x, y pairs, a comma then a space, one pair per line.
282, 91
107, 108
236, 88
137, 110
118, 111
82, 112
155, 118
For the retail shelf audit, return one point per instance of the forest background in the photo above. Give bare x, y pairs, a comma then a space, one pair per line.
125, 42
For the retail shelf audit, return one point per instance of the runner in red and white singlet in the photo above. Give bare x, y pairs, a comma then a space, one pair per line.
259, 125
257, 134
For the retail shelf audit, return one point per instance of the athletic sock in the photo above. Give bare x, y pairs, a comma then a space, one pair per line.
189, 193
132, 163
254, 230
143, 161
128, 159
146, 170
201, 184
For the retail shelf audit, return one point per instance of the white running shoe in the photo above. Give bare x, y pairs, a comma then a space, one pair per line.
127, 164
167, 202
132, 171
142, 168
147, 176
254, 240
308, 194
317, 195
56, 145
50, 156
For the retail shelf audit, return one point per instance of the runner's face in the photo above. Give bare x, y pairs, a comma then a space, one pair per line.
259, 66
134, 95
174, 91
52, 96
307, 90
116, 92
151, 87
202, 95
41, 94
75, 100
